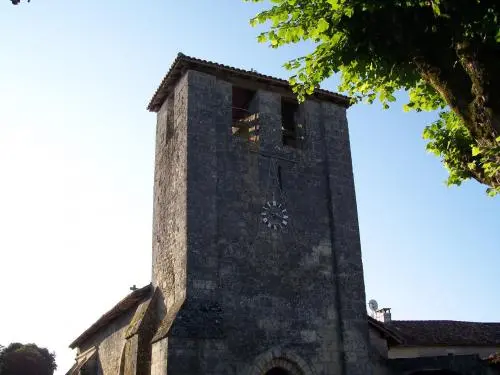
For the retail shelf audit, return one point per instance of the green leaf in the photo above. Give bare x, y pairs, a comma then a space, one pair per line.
322, 25
262, 38
435, 8
371, 46
334, 4
492, 192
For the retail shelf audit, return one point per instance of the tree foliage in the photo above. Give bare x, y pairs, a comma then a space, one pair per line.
444, 53
18, 359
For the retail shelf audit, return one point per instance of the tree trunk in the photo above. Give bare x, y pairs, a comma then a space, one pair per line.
470, 85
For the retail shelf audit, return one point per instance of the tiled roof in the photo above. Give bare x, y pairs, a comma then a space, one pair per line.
183, 63
129, 302
446, 332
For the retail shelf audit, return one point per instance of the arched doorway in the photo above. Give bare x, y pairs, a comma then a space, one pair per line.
277, 371
278, 361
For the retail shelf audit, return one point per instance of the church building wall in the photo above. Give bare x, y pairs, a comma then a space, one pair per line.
110, 341
301, 288
378, 343
170, 199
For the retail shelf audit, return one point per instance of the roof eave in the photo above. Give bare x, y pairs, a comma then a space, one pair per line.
111, 315
183, 63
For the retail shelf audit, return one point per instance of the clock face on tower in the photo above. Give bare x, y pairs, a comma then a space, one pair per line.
274, 215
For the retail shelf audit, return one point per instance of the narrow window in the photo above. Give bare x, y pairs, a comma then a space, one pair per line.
280, 179
245, 124
289, 123
169, 132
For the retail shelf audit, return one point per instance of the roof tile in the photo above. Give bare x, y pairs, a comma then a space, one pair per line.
183, 63
446, 332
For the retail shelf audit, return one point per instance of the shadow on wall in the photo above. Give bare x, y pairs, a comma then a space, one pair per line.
435, 372
277, 371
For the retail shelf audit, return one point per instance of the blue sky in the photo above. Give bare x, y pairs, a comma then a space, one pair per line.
76, 164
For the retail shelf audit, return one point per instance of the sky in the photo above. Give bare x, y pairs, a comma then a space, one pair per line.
77, 157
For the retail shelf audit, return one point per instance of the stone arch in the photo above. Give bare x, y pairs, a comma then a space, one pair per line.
289, 367
279, 358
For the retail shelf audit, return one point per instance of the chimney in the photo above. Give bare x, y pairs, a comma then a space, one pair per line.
383, 315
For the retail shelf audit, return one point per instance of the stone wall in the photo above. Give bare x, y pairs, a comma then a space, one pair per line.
110, 342
378, 343
159, 360
170, 199
250, 291
346, 243
466, 364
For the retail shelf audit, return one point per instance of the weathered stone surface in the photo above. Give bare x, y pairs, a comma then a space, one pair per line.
123, 346
159, 357
349, 279
170, 198
301, 288
202, 319
129, 358
110, 343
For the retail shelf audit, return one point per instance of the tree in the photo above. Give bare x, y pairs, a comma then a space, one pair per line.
444, 53
19, 359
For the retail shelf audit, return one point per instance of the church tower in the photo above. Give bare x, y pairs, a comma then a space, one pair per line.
256, 250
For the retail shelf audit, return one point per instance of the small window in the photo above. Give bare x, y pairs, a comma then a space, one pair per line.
280, 178
289, 123
170, 118
245, 124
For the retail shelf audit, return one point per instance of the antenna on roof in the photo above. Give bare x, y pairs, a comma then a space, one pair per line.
373, 305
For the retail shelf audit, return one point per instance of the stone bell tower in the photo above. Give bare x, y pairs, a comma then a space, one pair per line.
256, 250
